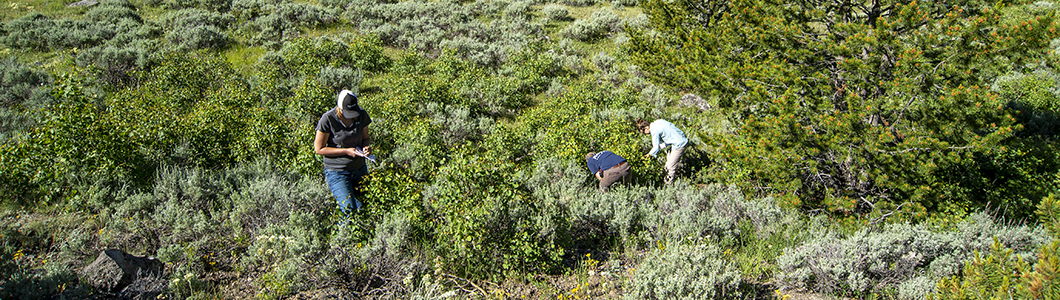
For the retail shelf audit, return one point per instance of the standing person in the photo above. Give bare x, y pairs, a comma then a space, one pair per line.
608, 167
342, 138
663, 133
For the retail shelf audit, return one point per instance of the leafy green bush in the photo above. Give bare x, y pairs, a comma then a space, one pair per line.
685, 272
483, 226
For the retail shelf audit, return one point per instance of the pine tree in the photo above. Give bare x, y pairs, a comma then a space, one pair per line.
843, 106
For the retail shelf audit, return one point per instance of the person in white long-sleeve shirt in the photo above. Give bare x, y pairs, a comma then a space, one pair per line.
663, 133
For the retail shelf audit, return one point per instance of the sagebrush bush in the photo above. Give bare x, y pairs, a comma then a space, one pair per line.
555, 12
213, 5
684, 212
519, 9
1001, 273
247, 10
306, 15
680, 271
618, 4
51, 281
24, 93
432, 27
600, 24
578, 2
115, 64
272, 24
38, 32
340, 78
896, 255
197, 29
113, 14
456, 124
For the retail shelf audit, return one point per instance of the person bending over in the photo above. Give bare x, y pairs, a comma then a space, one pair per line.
663, 133
608, 167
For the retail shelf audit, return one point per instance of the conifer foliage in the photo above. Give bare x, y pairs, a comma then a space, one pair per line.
852, 107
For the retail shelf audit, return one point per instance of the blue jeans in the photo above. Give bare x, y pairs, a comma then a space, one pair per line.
343, 184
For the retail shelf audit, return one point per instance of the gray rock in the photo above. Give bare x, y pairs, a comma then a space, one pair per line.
114, 269
83, 3
695, 101
144, 288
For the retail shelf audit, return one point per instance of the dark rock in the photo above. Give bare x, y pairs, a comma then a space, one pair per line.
144, 288
325, 294
114, 269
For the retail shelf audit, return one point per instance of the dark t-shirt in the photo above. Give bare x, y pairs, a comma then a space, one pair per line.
603, 161
343, 137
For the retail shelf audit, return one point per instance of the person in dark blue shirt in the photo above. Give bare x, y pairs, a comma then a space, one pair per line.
608, 167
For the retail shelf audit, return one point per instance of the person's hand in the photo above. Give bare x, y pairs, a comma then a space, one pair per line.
645, 156
367, 150
354, 152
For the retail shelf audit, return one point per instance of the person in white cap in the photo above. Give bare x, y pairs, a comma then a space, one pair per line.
342, 138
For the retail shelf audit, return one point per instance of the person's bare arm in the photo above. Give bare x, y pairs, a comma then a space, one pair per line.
320, 149
366, 142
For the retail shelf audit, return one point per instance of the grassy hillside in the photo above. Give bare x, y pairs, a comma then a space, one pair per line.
819, 165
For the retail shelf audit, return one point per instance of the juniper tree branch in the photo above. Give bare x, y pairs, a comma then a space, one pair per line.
923, 149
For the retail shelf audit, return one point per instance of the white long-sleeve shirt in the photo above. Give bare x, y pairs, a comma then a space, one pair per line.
664, 133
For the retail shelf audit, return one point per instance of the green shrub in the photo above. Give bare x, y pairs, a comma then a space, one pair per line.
456, 125
484, 226
685, 272
199, 37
